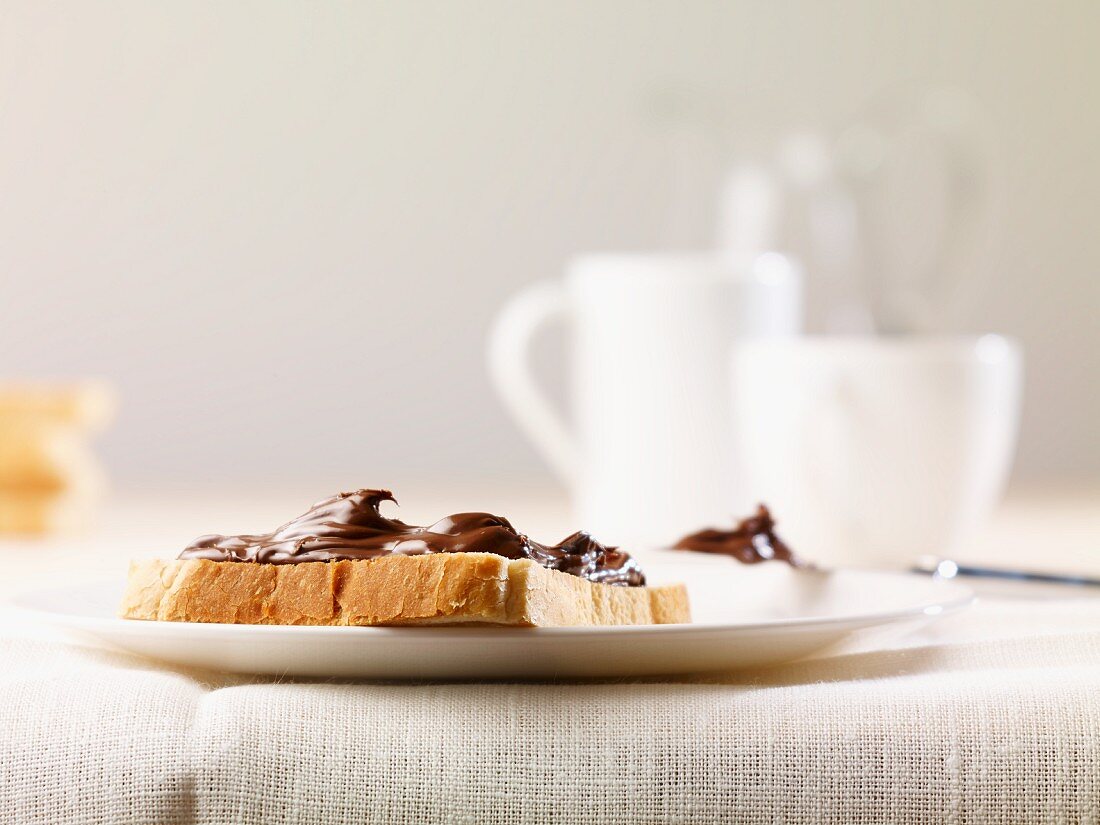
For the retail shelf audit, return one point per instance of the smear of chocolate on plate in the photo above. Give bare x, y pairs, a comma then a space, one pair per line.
752, 541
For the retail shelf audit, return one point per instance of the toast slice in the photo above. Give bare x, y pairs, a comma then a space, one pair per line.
432, 589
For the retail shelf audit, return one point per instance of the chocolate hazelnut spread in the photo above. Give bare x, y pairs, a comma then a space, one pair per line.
753, 540
348, 526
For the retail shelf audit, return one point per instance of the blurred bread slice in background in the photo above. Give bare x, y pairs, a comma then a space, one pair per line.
50, 480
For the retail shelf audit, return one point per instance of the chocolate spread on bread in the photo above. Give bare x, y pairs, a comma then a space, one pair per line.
349, 526
753, 540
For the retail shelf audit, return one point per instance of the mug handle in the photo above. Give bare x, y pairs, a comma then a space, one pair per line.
509, 349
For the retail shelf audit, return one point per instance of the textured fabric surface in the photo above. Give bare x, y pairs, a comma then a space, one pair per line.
987, 717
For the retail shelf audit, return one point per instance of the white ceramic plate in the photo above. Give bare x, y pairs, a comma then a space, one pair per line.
744, 617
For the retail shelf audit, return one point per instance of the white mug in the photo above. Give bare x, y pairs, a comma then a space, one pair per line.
648, 455
875, 451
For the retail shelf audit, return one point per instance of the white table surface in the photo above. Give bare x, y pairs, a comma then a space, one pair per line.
991, 715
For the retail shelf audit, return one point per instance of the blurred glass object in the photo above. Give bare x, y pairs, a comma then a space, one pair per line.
918, 163
50, 480
888, 213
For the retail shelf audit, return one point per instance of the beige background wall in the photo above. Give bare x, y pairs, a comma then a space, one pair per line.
282, 228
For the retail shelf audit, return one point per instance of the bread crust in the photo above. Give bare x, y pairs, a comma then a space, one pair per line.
439, 588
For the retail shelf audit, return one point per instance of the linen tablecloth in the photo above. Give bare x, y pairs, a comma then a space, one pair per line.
989, 716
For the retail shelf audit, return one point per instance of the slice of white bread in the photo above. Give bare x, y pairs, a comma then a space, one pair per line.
439, 588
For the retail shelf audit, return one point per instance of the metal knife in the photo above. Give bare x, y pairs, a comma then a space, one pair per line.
948, 569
